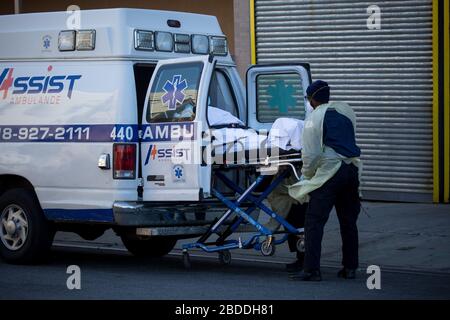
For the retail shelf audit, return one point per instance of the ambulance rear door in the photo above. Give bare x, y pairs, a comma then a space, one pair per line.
276, 91
171, 132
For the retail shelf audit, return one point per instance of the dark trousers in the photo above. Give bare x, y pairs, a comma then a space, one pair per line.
341, 191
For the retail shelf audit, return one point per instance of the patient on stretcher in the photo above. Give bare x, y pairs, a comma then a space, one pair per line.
230, 135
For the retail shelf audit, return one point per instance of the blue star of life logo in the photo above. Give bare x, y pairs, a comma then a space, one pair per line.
178, 172
46, 42
174, 92
281, 96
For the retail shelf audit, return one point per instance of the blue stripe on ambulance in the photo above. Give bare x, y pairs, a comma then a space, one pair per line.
98, 132
94, 215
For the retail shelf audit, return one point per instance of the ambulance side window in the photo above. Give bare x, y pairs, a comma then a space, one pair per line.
221, 95
173, 96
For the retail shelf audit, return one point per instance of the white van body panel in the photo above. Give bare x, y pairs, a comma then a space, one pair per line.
63, 168
58, 109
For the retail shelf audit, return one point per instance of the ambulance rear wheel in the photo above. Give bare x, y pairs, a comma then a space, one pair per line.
148, 248
25, 235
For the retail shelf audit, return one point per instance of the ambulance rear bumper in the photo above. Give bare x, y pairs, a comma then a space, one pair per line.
167, 218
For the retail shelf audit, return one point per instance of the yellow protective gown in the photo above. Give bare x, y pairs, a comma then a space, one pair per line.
281, 202
320, 163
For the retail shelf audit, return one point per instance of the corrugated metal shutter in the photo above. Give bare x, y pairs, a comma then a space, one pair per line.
386, 76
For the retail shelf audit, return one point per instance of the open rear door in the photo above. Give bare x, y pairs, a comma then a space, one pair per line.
276, 91
171, 139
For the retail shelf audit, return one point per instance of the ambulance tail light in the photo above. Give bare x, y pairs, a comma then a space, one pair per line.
124, 161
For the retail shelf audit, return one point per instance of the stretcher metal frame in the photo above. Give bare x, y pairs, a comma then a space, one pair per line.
267, 168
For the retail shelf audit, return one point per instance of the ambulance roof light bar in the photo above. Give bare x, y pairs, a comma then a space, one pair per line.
144, 40
200, 44
218, 46
85, 39
71, 40
66, 40
181, 43
163, 41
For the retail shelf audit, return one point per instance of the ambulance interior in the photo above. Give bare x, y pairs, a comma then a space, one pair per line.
231, 133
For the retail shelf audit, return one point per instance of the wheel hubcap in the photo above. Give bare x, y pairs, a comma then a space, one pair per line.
11, 227
14, 227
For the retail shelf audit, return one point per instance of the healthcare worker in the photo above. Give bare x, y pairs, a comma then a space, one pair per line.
330, 177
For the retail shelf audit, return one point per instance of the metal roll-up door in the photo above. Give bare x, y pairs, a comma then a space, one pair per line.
385, 75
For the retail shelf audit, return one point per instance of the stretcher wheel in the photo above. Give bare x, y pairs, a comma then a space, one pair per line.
267, 248
186, 260
301, 243
225, 257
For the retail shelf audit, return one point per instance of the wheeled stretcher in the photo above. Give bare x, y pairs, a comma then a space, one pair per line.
269, 172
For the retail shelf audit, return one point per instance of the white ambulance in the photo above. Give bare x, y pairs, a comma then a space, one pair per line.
88, 120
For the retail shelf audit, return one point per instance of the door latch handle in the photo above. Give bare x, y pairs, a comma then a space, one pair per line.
104, 162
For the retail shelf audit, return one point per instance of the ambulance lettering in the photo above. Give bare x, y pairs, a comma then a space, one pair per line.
46, 86
155, 153
169, 132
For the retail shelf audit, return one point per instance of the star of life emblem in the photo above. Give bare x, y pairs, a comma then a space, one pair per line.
174, 92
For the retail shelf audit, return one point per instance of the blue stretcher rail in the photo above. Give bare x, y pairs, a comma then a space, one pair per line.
243, 216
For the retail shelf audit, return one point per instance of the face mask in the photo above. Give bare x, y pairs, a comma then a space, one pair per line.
309, 108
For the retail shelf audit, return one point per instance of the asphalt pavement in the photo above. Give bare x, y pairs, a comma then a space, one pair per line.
114, 274
409, 242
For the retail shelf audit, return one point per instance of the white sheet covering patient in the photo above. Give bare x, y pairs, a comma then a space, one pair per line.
219, 117
286, 133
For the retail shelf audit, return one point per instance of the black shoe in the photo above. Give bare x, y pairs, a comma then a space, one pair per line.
347, 273
293, 267
306, 276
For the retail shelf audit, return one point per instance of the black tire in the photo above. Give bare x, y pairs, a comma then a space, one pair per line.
149, 248
225, 257
267, 249
38, 241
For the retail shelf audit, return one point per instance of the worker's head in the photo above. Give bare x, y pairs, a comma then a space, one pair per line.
318, 93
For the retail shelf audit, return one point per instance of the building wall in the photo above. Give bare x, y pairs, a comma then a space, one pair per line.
242, 35
6, 6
